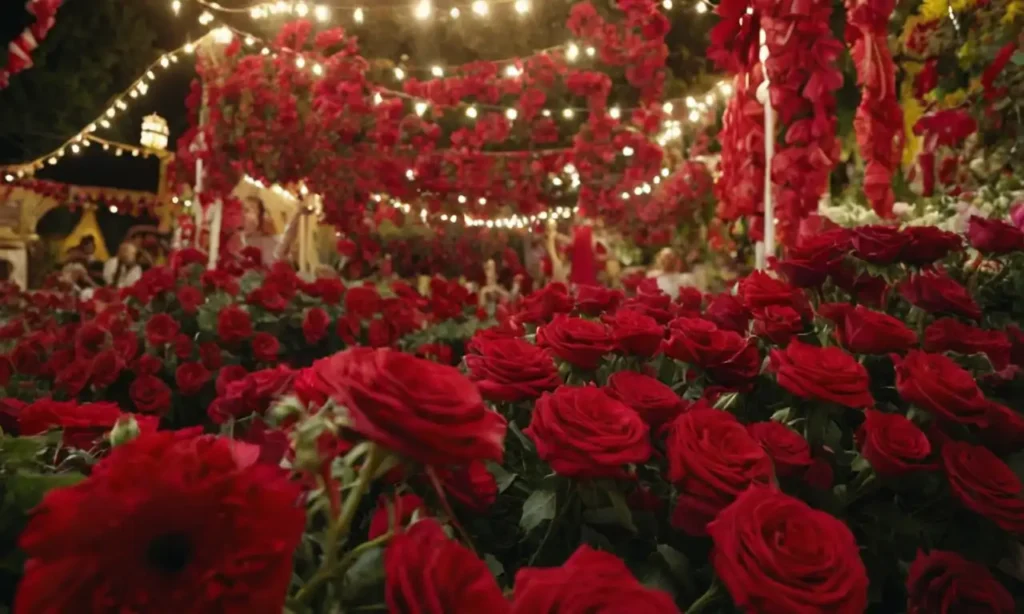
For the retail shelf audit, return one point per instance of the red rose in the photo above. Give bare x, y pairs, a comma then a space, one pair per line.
472, 485
191, 377
27, 357
654, 401
878, 244
147, 364
726, 311
228, 375
867, 289
789, 451
1005, 430
935, 292
984, 484
150, 394
425, 411
426, 572
711, 459
543, 304
380, 334
127, 346
778, 323
233, 324
183, 347
252, 393
106, 368
775, 554
210, 355
581, 343
657, 306
510, 369
584, 433
591, 582
161, 329
863, 331
826, 374
727, 357
362, 302
759, 290
690, 300
6, 370
595, 300
265, 347
942, 582
329, 290
949, 335
809, 263
935, 383
403, 507
73, 378
994, 237
928, 244
893, 444
635, 333
90, 339
190, 298
315, 325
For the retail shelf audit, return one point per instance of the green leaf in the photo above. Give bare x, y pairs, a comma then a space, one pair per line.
679, 567
1017, 58
25, 489
365, 577
21, 450
538, 507
860, 464
503, 477
497, 569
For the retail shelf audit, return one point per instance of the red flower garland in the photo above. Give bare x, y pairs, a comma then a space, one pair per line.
803, 77
19, 51
879, 118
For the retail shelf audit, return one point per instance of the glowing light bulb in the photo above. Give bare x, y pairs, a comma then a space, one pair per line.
725, 88
462, 199
437, 71
615, 113
691, 102
176, 6
399, 73
165, 62
568, 113
300, 62
75, 148
667, 4
423, 9
701, 8
573, 52
301, 9
591, 52
205, 18
250, 41
482, 200
481, 8
318, 70
667, 107
512, 114
522, 6
664, 172
377, 98
627, 151
189, 48
512, 71
410, 175
222, 36
694, 115
113, 208
421, 108
471, 112
546, 112
357, 15
322, 13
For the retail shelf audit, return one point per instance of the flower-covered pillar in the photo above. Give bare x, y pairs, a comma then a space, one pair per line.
879, 119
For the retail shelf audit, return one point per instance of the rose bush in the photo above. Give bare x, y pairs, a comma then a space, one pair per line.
785, 446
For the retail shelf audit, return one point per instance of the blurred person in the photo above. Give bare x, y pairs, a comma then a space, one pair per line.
258, 230
123, 270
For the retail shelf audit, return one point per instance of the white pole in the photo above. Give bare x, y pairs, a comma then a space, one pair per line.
197, 207
765, 99
215, 224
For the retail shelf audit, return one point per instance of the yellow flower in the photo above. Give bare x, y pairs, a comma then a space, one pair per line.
1013, 10
937, 9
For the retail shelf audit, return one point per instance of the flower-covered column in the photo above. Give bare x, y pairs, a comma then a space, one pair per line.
879, 118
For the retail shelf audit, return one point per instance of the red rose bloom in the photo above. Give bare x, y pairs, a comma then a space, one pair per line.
590, 582
935, 383
942, 582
984, 484
809, 263
150, 394
510, 369
595, 300
878, 244
403, 506
581, 343
425, 411
759, 290
726, 356
265, 347
233, 324
711, 459
82, 424
635, 333
893, 444
582, 432
73, 378
471, 485
949, 335
935, 292
789, 451
543, 304
778, 323
380, 334
654, 401
928, 244
161, 329
777, 555
190, 298
726, 311
994, 237
863, 331
315, 325
191, 377
826, 374
195, 509
426, 572
105, 368
362, 302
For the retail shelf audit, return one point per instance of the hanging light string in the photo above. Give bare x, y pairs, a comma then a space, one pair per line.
357, 13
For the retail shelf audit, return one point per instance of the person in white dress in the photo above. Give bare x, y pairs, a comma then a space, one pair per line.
259, 231
123, 270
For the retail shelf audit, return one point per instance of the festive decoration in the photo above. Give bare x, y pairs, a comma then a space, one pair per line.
19, 51
154, 132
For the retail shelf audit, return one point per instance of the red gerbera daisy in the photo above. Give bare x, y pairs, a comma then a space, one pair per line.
170, 522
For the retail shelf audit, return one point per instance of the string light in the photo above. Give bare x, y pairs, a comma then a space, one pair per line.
301, 9
512, 114
471, 112
322, 13
615, 113
205, 18
568, 113
572, 53
399, 73
423, 9
522, 6
357, 15
454, 12
437, 71
481, 8
701, 8
421, 108
176, 6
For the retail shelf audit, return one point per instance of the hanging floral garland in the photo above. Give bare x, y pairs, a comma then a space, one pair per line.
879, 118
19, 51
803, 78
